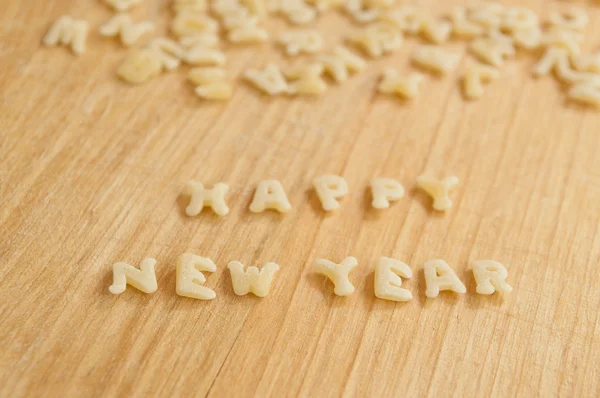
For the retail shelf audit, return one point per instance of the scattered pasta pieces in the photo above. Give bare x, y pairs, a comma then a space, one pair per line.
492, 51
190, 279
306, 80
68, 32
587, 63
200, 55
490, 276
122, 25
329, 188
557, 60
140, 66
437, 32
489, 15
474, 78
143, 279
359, 13
210, 83
377, 39
122, 5
586, 92
388, 280
340, 63
573, 19
406, 87
191, 23
515, 19
439, 276
435, 59
338, 274
439, 190
296, 11
301, 42
385, 190
201, 197
197, 6
559, 38
462, 27
168, 52
270, 80
270, 195
406, 18
252, 280
206, 40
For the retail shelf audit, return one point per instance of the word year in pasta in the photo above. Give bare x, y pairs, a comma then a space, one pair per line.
489, 275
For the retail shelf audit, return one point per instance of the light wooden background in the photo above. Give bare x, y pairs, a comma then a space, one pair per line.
91, 172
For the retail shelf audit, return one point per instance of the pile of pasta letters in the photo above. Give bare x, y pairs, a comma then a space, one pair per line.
494, 33
489, 275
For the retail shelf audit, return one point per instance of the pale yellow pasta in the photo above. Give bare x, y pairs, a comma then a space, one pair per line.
256, 7
122, 25
377, 39
560, 38
529, 39
270, 195
219, 90
574, 18
436, 31
439, 276
439, 190
168, 51
297, 11
358, 12
492, 50
143, 279
435, 59
487, 14
325, 5
140, 66
122, 5
200, 76
202, 39
519, 18
190, 279
270, 80
338, 274
306, 80
68, 32
385, 190
474, 78
248, 34
405, 86
301, 41
201, 197
405, 18
190, 23
557, 60
197, 6
380, 4
462, 26
587, 63
252, 280
224, 8
329, 189
200, 55
388, 280
586, 92
490, 277
340, 62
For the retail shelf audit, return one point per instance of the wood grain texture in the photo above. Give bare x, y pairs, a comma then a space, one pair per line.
91, 172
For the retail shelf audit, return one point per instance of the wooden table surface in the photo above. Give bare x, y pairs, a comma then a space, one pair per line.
92, 171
